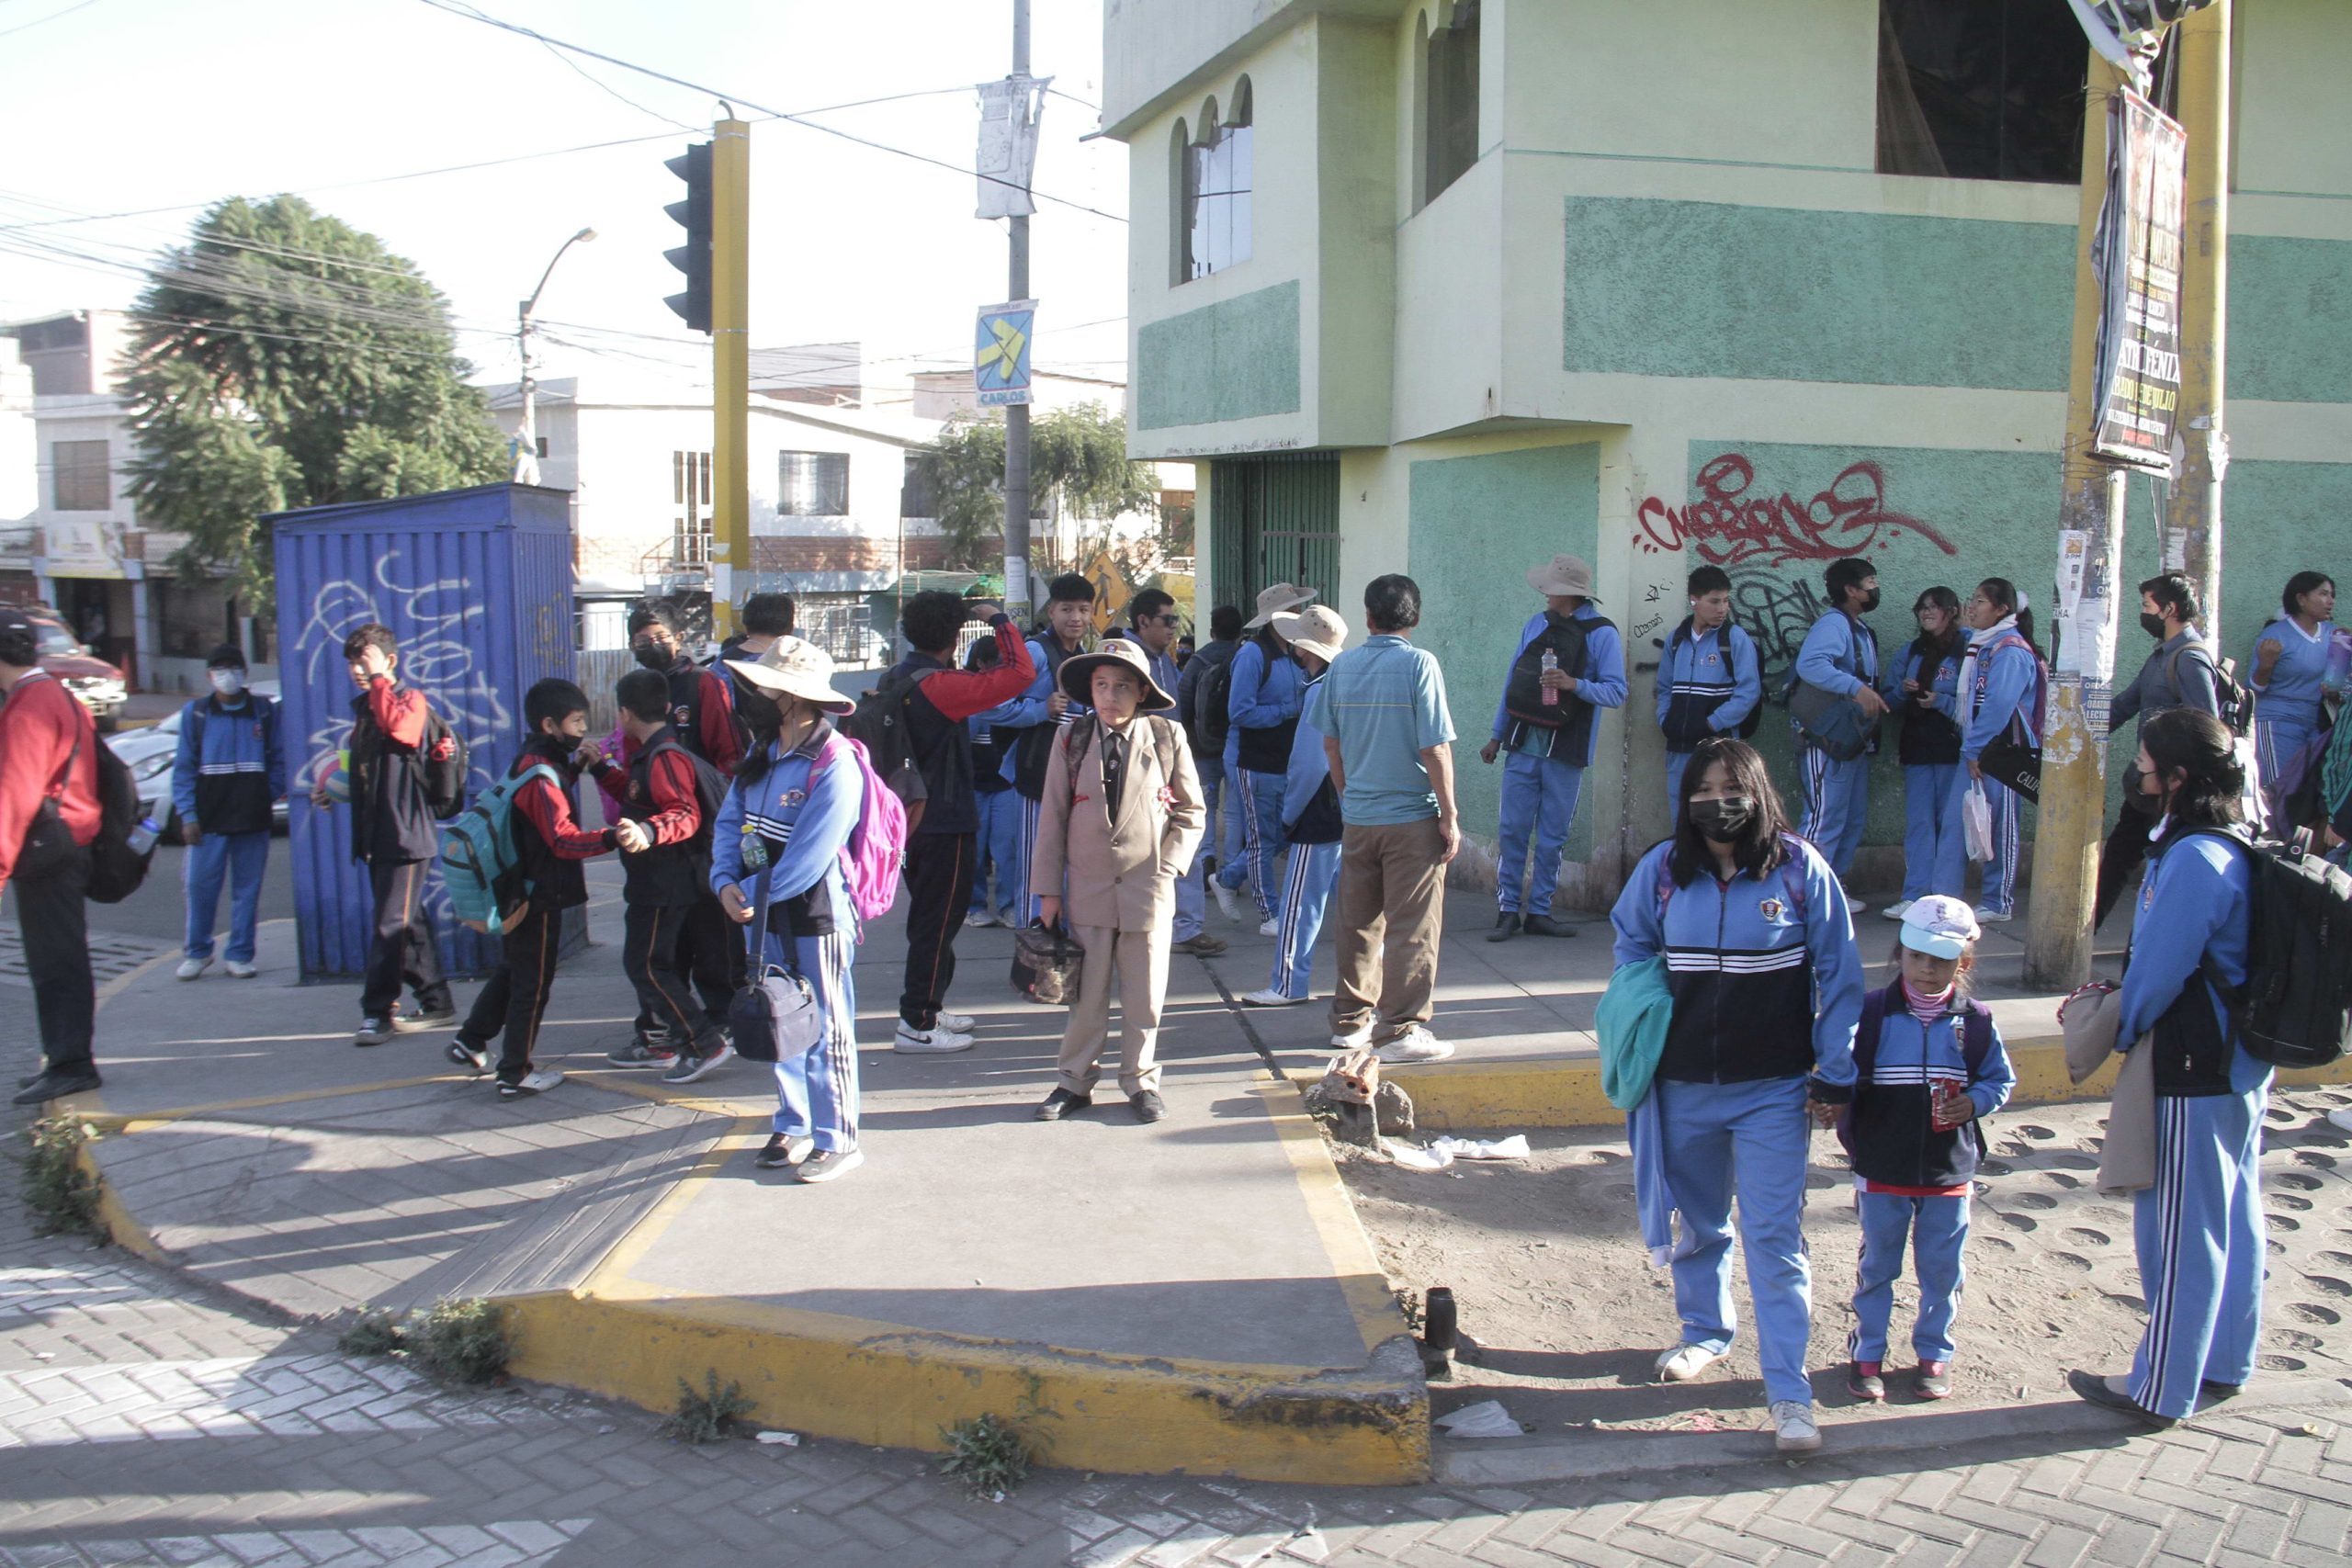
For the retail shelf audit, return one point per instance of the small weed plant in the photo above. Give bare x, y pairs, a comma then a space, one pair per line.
987, 1455
460, 1340
60, 1198
377, 1333
708, 1415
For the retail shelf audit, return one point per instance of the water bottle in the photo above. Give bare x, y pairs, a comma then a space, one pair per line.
143, 837
1551, 694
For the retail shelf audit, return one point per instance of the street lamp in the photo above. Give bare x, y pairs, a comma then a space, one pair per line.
527, 444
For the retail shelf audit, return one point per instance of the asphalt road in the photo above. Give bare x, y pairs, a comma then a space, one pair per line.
158, 911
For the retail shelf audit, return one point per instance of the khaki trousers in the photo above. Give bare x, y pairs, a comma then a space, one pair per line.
1392, 903
1139, 959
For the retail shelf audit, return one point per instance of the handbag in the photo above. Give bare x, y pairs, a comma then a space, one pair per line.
1976, 821
1046, 962
2012, 764
775, 1018
1835, 724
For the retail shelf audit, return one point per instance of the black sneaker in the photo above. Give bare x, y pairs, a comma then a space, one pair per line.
1060, 1103
784, 1149
420, 1022
644, 1051
56, 1084
373, 1030
1545, 925
690, 1066
1506, 927
466, 1054
1148, 1105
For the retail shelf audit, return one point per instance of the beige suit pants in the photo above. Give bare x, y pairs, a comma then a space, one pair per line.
1392, 906
1139, 961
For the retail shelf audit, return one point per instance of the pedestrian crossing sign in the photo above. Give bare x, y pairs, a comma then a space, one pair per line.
1001, 360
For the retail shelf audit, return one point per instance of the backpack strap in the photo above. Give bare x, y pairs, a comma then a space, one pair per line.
1976, 1036
1866, 1034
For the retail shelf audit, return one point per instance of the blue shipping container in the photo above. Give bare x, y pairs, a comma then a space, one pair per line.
477, 586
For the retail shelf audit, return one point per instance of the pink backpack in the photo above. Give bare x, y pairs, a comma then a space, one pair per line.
876, 853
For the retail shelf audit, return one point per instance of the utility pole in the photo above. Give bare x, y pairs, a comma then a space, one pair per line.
2090, 513
730, 393
2192, 529
1016, 415
526, 441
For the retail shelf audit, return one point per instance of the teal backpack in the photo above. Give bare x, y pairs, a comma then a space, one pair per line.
479, 867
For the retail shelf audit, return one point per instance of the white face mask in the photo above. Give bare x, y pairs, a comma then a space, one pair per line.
228, 683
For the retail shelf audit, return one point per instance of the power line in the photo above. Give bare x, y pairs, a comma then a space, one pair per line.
28, 27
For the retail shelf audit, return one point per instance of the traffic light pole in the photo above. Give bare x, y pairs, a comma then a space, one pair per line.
1017, 597
730, 390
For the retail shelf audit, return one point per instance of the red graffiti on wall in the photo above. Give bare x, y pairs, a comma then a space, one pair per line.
1729, 527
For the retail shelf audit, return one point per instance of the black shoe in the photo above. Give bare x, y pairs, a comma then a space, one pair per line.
56, 1084
1545, 925
1148, 1105
2099, 1391
1060, 1103
2215, 1393
419, 1023
783, 1149
1506, 927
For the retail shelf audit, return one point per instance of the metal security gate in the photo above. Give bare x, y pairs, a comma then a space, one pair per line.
1273, 519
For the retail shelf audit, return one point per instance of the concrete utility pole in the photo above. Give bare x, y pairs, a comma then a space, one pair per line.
1016, 416
2192, 540
2074, 750
730, 311
526, 441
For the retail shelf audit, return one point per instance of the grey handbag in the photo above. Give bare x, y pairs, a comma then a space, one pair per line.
775, 1018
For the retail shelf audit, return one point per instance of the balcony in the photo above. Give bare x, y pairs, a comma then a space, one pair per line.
680, 564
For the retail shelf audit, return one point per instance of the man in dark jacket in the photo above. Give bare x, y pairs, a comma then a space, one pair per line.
1206, 733
765, 617
227, 776
549, 844
2179, 672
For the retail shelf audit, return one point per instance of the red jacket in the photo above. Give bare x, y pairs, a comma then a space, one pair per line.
39, 726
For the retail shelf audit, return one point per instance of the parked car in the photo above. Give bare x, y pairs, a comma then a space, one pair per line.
99, 684
148, 753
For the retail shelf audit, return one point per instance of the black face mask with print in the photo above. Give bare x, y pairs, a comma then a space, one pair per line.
1722, 821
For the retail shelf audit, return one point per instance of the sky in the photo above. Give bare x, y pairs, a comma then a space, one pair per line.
120, 105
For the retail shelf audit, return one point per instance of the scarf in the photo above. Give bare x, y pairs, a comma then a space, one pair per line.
1977, 643
1927, 1009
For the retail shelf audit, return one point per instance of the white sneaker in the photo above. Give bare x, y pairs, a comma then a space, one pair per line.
191, 967
955, 1023
1897, 910
1270, 998
1985, 917
1793, 1425
1269, 927
1224, 899
936, 1041
1685, 1361
1858, 906
239, 970
1354, 1040
538, 1081
1415, 1044
980, 917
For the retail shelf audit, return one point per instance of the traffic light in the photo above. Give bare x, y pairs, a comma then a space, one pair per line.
692, 258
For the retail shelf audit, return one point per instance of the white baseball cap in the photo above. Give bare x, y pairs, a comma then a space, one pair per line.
1939, 926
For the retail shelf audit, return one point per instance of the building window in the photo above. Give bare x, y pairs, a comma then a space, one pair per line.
1448, 71
541, 443
918, 496
812, 484
82, 481
690, 521
1981, 90
1218, 170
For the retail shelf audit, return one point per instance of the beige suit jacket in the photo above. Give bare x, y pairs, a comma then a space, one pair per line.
1121, 875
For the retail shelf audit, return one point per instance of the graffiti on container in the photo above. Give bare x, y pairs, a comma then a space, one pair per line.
1727, 526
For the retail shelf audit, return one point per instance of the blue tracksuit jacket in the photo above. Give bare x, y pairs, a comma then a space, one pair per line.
1714, 676
1309, 766
1260, 695
230, 764
1840, 654
2008, 680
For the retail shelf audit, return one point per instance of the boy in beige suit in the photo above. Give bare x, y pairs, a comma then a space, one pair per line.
1122, 813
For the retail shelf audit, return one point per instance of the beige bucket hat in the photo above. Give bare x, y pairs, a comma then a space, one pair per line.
792, 668
1317, 628
1563, 574
1273, 601
1078, 674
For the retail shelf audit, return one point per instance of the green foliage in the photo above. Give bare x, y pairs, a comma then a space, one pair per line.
1078, 456
458, 1340
60, 1196
709, 1414
987, 1455
377, 1333
281, 358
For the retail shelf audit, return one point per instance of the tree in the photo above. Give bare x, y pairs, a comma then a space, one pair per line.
1078, 456
282, 358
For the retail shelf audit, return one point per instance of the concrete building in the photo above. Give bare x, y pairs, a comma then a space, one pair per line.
1755, 282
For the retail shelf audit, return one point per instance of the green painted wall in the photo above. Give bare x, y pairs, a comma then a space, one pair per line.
1236, 359
2290, 320
1706, 289
2276, 519
1478, 523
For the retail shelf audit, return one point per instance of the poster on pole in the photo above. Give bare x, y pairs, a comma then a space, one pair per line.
2137, 252
1006, 156
1000, 356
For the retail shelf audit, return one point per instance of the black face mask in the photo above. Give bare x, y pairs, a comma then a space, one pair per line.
653, 657
1722, 821
1871, 602
758, 710
2154, 626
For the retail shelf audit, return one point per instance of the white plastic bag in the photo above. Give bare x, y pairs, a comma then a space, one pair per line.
1976, 819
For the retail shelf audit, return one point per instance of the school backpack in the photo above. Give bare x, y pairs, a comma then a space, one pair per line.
2230, 693
444, 756
1975, 1045
116, 868
2295, 1008
875, 854
1212, 708
1565, 637
880, 726
480, 867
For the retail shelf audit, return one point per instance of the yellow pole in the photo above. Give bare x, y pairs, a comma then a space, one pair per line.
2072, 821
2192, 539
730, 308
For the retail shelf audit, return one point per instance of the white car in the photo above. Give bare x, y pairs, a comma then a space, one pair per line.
148, 753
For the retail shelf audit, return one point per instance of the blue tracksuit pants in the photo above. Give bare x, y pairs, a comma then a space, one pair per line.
2276, 742
817, 1093
1751, 1139
239, 858
1937, 1230
2200, 1234
1539, 803
1307, 893
1192, 889
1935, 851
1261, 864
1999, 891
1836, 805
998, 849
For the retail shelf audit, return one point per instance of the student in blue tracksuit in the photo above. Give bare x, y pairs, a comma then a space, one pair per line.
788, 816
1709, 682
1840, 655
1038, 714
1569, 664
1921, 683
2290, 673
1310, 818
1912, 1134
1768, 989
228, 773
2002, 693
2199, 1228
1265, 695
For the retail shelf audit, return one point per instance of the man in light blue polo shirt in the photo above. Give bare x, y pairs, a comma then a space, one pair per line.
1389, 737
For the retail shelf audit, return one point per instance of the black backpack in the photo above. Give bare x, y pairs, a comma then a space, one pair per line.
879, 725
1523, 692
116, 869
1212, 708
2295, 1008
445, 769
2230, 693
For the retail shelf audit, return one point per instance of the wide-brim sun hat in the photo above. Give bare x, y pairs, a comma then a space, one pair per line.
1078, 674
1272, 602
1318, 629
794, 668
1563, 574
